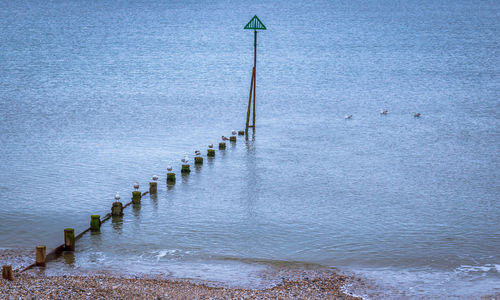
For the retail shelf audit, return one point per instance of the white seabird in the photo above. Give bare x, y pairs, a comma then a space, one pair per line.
233, 132
136, 185
348, 117
169, 168
210, 146
117, 196
185, 160
155, 177
383, 111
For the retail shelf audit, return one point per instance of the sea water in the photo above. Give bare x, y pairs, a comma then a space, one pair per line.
98, 94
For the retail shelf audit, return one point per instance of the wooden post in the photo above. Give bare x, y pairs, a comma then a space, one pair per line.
117, 209
185, 169
211, 152
232, 138
152, 188
198, 160
250, 100
222, 146
170, 178
254, 24
7, 273
254, 74
40, 255
136, 197
241, 132
95, 223
69, 239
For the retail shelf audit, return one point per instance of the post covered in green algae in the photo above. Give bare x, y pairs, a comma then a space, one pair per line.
232, 138
40, 255
153, 188
69, 239
241, 132
222, 146
211, 152
170, 178
136, 197
95, 223
185, 169
117, 209
198, 160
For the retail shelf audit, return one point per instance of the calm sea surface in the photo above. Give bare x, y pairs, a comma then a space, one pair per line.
98, 94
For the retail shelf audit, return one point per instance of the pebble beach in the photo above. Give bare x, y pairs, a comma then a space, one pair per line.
34, 284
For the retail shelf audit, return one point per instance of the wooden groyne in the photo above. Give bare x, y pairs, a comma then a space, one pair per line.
117, 208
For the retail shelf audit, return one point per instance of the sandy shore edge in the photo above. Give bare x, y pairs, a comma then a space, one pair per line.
295, 283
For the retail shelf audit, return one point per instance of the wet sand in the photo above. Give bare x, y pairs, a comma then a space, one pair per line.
295, 283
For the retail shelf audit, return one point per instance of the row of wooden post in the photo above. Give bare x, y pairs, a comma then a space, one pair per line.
116, 210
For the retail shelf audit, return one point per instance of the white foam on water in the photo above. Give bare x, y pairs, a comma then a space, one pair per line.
165, 252
462, 282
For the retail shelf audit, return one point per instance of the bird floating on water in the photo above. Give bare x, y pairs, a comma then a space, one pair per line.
185, 160
224, 138
383, 111
348, 117
233, 132
136, 185
155, 177
169, 168
117, 196
416, 115
197, 152
210, 146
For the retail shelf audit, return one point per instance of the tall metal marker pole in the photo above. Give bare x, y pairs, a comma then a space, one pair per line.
254, 24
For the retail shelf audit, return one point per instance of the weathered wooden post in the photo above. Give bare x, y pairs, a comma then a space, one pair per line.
211, 151
185, 169
95, 223
222, 146
69, 239
198, 160
136, 197
40, 255
7, 273
254, 24
152, 188
232, 138
241, 132
153, 185
117, 209
171, 178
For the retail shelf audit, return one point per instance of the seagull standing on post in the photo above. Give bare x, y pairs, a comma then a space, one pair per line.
136, 186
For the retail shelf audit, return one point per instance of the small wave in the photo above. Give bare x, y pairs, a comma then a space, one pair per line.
462, 282
163, 253
475, 269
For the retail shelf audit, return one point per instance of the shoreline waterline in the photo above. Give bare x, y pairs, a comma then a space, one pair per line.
294, 282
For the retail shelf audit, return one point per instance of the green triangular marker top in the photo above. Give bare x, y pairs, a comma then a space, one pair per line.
255, 24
